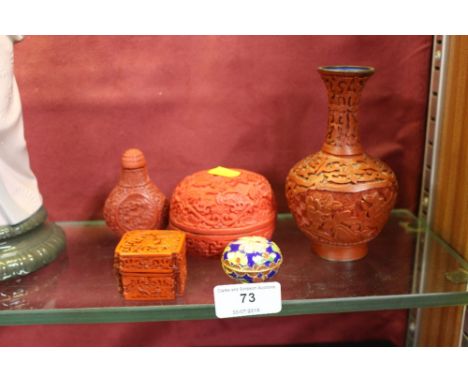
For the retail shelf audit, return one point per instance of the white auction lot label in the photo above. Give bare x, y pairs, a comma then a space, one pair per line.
237, 300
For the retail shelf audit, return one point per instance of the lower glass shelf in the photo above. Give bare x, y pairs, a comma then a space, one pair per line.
81, 287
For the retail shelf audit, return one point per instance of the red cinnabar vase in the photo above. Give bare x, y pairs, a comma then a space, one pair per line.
136, 203
341, 197
214, 209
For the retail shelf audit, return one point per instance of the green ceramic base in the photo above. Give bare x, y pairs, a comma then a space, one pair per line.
30, 223
30, 251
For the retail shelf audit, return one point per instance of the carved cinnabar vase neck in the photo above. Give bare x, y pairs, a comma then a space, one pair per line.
344, 86
341, 197
136, 202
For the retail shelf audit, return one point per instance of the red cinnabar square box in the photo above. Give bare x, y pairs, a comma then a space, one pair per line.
151, 264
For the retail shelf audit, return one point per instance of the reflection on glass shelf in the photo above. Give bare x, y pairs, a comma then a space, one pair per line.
81, 286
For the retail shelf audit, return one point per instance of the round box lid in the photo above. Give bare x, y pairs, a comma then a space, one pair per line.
234, 201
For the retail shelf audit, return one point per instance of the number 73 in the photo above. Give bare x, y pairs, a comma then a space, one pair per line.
251, 297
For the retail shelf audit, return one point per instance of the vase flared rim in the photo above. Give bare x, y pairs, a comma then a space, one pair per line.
346, 70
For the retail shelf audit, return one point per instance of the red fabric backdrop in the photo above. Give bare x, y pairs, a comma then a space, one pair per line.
195, 102
192, 103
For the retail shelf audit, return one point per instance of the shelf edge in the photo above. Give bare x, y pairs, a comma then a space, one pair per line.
207, 311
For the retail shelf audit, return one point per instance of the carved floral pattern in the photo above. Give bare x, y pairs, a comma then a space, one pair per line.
340, 196
343, 102
205, 201
146, 264
147, 259
322, 171
148, 241
213, 210
205, 246
148, 287
344, 218
365, 192
214, 245
141, 206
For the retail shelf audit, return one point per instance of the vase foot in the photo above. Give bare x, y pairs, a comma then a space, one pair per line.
340, 253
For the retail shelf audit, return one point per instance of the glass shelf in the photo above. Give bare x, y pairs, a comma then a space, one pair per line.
81, 287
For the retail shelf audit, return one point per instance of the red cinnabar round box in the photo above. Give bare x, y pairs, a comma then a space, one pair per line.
214, 207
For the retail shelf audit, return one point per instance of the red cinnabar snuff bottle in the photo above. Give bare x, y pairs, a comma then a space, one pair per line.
136, 202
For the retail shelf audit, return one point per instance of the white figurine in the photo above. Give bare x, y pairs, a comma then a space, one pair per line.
19, 194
